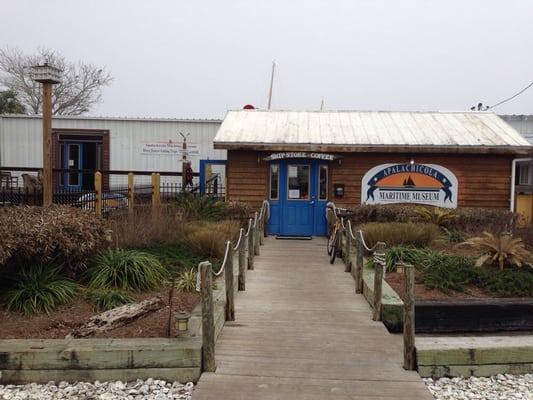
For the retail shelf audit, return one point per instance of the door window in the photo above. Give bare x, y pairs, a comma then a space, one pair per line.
322, 182
274, 181
298, 182
73, 163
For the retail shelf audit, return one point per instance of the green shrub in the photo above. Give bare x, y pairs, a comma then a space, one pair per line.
187, 281
126, 270
201, 207
454, 236
37, 235
400, 233
39, 288
454, 272
175, 258
435, 215
107, 299
510, 282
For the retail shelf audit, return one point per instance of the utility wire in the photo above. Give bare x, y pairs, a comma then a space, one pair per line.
512, 97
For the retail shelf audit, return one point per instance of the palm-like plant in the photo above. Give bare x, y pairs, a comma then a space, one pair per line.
502, 248
437, 216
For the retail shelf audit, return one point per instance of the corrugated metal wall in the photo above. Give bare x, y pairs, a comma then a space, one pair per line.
21, 140
522, 123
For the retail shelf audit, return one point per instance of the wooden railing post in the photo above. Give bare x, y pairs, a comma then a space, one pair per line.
242, 262
98, 195
261, 233
156, 192
131, 188
379, 272
348, 261
256, 235
250, 247
230, 293
359, 265
208, 318
409, 356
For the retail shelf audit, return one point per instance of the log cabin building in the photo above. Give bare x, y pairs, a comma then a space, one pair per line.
300, 160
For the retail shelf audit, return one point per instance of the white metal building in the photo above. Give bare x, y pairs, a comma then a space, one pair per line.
125, 144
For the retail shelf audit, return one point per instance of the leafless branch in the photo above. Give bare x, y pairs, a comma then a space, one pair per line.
80, 88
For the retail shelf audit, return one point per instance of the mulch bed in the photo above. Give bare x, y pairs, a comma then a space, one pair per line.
62, 321
396, 281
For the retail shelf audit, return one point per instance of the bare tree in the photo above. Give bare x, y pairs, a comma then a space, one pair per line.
80, 88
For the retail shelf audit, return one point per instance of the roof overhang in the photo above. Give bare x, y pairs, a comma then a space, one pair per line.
515, 150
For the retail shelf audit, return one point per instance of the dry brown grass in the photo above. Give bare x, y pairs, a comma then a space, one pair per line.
209, 238
400, 233
145, 228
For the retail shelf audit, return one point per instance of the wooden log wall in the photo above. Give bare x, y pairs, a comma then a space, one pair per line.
484, 179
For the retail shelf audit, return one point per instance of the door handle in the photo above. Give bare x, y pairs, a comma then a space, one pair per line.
312, 202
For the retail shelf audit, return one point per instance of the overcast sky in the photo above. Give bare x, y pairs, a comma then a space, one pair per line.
200, 58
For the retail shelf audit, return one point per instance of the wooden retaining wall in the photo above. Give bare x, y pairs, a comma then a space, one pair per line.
474, 356
172, 359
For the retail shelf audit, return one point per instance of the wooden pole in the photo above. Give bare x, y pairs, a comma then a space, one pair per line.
208, 318
348, 257
250, 247
261, 233
156, 192
359, 265
379, 271
256, 235
47, 144
271, 85
98, 194
230, 290
409, 355
242, 262
131, 188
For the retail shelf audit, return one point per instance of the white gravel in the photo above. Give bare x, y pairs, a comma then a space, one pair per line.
499, 387
150, 389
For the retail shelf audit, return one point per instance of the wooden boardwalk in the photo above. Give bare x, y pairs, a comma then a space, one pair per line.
301, 332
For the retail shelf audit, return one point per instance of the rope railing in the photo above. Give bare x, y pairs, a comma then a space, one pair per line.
252, 223
249, 239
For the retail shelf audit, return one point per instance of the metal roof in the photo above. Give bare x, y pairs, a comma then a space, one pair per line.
369, 131
103, 118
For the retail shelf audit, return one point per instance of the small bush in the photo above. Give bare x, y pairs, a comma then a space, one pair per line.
187, 281
502, 248
453, 272
37, 235
195, 207
107, 299
39, 288
175, 258
126, 270
400, 233
454, 236
439, 216
209, 238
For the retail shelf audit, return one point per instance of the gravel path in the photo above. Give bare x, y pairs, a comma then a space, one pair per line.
149, 389
499, 387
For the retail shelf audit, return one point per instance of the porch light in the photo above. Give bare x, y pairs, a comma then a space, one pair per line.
412, 162
182, 322
45, 73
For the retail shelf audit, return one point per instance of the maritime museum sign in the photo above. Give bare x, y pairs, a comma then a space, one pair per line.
428, 184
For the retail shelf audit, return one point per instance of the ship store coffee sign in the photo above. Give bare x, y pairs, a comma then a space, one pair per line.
410, 183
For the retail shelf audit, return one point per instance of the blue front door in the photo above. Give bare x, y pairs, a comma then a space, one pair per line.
298, 196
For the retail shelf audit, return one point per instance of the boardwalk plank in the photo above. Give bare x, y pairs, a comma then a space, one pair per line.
301, 332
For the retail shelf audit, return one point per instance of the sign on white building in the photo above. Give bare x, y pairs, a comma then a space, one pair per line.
169, 148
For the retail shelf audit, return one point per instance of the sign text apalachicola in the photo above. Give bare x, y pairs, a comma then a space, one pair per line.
429, 184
